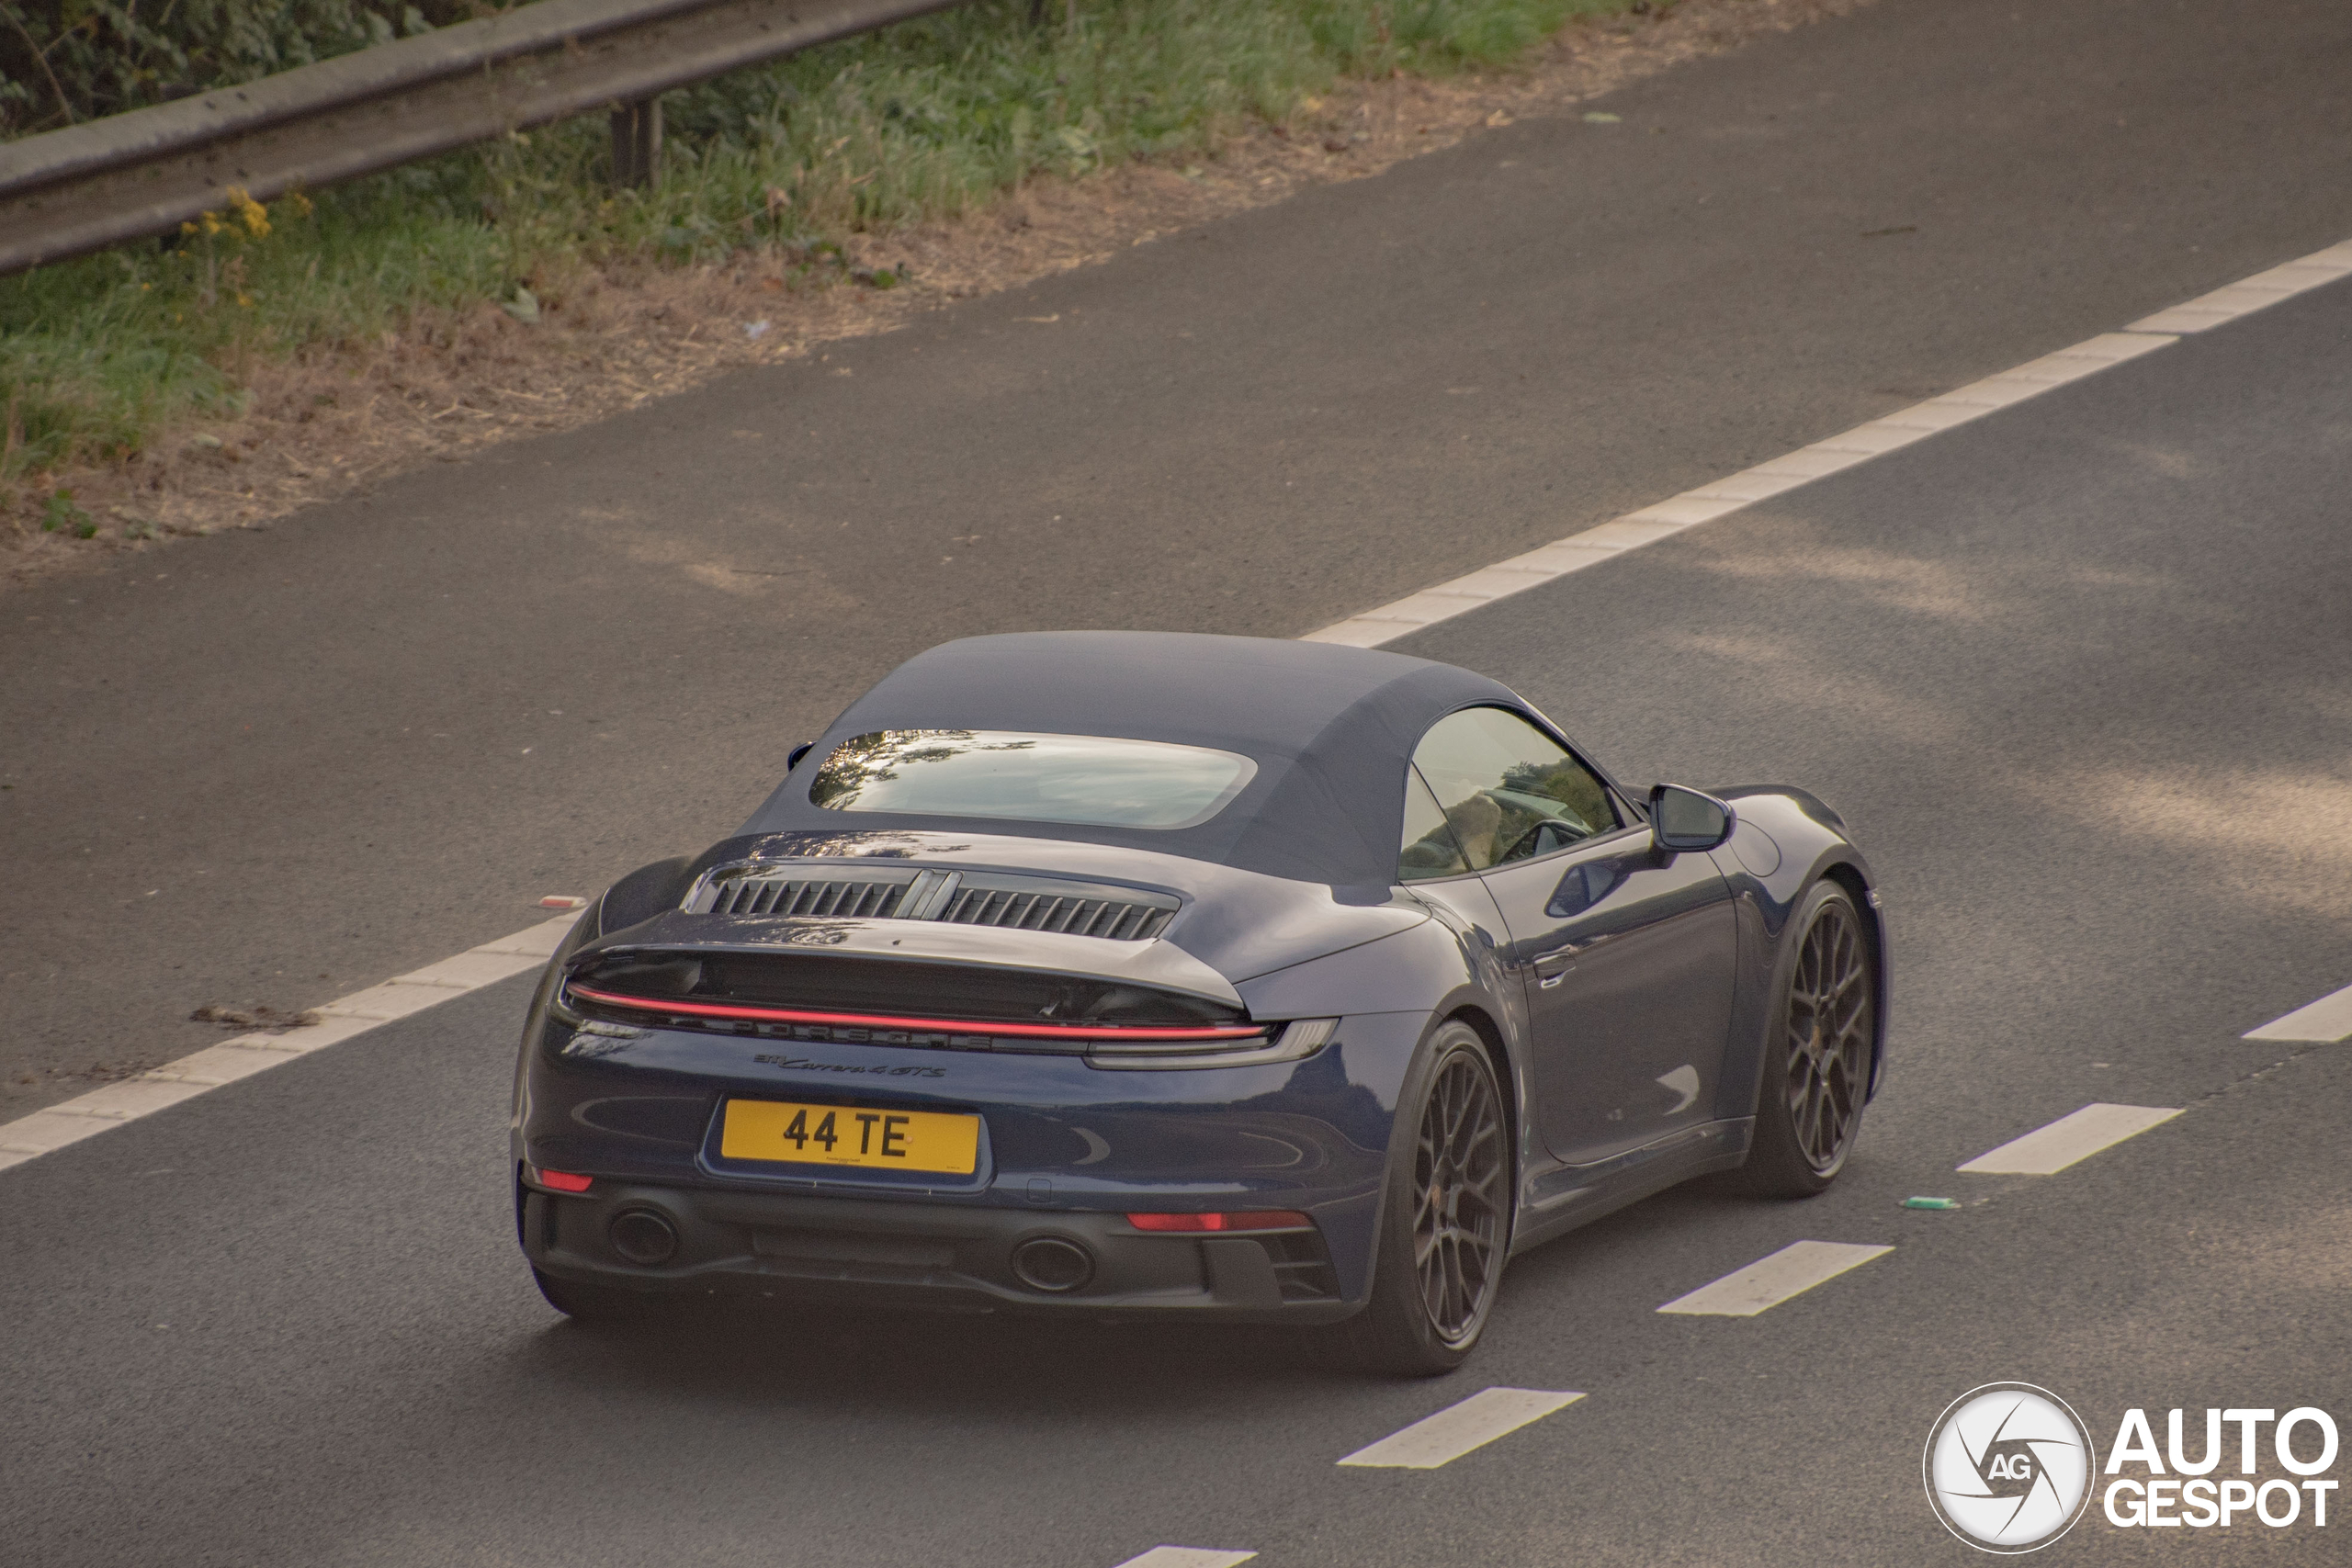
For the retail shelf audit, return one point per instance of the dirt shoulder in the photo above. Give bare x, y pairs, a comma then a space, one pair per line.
333, 422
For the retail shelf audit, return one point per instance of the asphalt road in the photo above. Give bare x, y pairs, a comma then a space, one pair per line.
275, 767
2078, 673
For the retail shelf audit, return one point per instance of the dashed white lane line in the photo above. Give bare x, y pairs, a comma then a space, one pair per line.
2327, 1021
2048, 1150
1767, 1283
1445, 1437
1187, 1557
1709, 502
30, 1137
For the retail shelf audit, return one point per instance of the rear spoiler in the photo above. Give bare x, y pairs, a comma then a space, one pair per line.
1157, 964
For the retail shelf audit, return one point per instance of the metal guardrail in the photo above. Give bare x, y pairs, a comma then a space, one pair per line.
146, 171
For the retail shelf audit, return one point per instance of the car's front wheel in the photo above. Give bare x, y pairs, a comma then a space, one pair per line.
1817, 1060
1446, 1224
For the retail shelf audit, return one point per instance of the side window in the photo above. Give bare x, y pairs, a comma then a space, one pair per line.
1509, 791
1429, 849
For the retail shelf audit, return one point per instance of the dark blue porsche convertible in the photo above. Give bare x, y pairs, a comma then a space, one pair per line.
1217, 977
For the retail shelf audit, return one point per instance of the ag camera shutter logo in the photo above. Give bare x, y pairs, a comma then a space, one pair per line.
2008, 1467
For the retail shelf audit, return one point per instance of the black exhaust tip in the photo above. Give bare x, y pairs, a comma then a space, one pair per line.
1050, 1263
643, 1237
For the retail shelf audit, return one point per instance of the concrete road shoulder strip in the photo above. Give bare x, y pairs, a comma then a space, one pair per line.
1445, 1437
90, 1114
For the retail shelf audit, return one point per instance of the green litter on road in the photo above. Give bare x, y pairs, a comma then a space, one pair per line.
1931, 1202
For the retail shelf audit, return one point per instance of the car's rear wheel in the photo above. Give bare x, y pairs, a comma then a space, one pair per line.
1446, 1224
1817, 1059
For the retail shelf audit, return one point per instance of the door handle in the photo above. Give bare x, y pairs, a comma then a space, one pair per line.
1552, 967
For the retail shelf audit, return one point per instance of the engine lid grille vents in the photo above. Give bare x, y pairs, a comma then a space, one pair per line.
1004, 899
812, 896
1121, 919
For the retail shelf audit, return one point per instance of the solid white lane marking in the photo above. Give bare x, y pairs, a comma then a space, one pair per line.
1767, 1283
1187, 1557
2051, 1149
30, 1137
1445, 1437
2228, 303
2326, 1020
1709, 502
1431, 605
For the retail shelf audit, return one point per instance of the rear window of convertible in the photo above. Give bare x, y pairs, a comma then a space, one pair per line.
1095, 780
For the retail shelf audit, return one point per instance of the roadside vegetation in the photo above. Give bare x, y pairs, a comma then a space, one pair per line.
925, 120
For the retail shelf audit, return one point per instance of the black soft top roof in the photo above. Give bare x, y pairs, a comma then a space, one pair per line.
1328, 728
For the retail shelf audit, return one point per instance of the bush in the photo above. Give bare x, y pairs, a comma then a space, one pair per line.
63, 62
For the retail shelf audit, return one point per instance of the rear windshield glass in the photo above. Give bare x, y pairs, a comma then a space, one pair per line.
1090, 779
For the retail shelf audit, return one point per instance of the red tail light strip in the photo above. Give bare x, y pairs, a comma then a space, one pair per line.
1253, 1220
936, 1025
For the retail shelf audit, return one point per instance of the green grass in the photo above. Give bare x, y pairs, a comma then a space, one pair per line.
924, 120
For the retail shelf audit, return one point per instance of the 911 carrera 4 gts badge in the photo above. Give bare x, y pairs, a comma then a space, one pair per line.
875, 1068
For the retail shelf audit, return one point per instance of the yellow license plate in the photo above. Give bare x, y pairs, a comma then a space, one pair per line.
850, 1134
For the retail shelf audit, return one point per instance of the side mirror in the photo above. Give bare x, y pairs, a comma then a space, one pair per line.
1685, 819
792, 758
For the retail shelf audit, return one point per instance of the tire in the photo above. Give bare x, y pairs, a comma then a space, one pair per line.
1445, 1223
595, 1306
1818, 1057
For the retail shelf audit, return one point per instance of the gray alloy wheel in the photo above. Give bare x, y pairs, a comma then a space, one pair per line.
1446, 1225
1817, 1061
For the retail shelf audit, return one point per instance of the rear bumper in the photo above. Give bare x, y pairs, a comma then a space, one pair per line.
1065, 1150
946, 1257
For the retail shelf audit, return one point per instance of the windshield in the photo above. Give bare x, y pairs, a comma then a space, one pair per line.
1090, 779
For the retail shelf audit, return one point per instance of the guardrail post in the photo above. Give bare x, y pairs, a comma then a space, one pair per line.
637, 144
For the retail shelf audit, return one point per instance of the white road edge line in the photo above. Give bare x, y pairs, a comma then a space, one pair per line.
1767, 1283
2327, 1021
2071, 1138
1187, 1557
1504, 577
30, 1137
1445, 1437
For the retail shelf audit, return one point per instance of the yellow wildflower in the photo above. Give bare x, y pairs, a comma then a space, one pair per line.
255, 216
